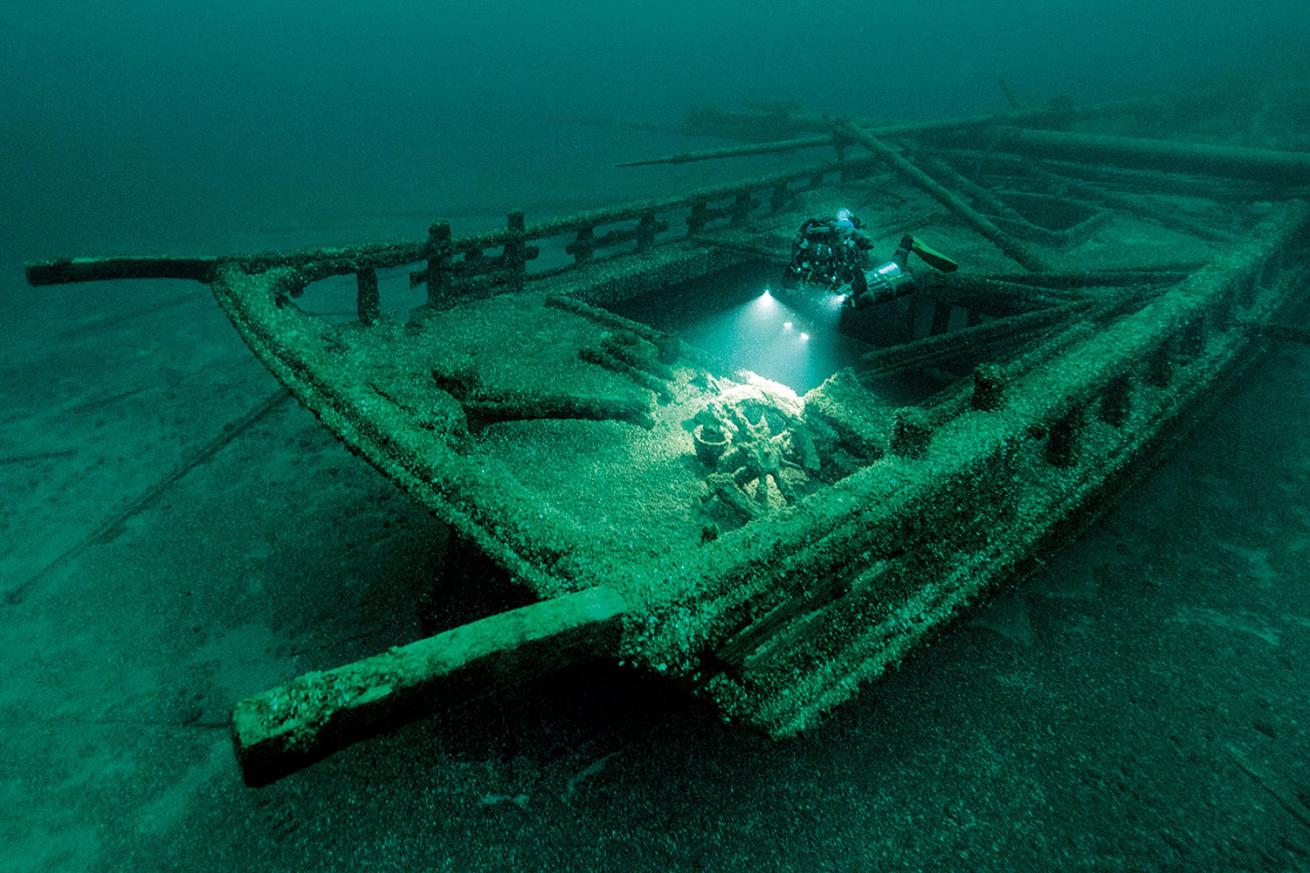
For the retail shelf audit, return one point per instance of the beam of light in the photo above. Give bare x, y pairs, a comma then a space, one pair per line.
791, 339
765, 305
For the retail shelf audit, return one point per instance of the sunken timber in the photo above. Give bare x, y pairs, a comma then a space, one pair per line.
772, 550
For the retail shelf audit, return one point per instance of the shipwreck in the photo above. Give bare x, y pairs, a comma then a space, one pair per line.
772, 549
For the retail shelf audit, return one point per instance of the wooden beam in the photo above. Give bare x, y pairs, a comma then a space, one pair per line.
290, 727
763, 148
1286, 168
717, 121
911, 173
61, 271
969, 341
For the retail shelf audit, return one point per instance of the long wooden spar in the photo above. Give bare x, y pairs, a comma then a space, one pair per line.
903, 167
289, 727
1239, 162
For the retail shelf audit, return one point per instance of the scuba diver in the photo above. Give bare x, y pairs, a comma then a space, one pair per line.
833, 254
828, 252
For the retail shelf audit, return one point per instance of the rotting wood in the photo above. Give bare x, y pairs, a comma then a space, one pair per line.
472, 276
1276, 331
1006, 213
768, 148
367, 301
36, 456
941, 168
66, 270
1072, 279
764, 252
763, 127
289, 727
1286, 168
1003, 241
1159, 213
607, 357
1048, 174
947, 489
668, 345
1143, 181
964, 342
945, 509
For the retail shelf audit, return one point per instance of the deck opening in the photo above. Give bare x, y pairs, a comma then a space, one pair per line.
738, 318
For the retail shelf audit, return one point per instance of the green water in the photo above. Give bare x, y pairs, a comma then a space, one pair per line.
1138, 703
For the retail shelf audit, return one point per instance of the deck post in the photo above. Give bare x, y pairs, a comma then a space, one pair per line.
582, 246
907, 319
699, 217
646, 231
515, 253
1160, 366
941, 319
368, 303
1117, 401
989, 382
779, 197
439, 255
1063, 438
911, 433
741, 208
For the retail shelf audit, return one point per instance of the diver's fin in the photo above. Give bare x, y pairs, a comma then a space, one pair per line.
932, 257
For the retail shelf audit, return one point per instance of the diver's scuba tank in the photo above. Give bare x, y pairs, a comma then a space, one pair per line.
891, 280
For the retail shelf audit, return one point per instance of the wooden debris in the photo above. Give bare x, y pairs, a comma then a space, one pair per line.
767, 148
62, 271
1287, 332
1285, 168
287, 728
1003, 241
974, 341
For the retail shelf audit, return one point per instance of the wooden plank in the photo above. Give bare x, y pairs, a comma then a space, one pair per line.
292, 726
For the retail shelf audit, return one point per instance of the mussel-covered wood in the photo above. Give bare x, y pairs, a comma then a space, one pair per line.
289, 727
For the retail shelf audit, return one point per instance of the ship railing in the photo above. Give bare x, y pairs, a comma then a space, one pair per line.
457, 269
